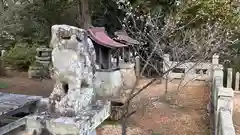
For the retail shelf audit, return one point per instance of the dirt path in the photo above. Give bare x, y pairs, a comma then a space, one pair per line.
175, 114
19, 83
157, 114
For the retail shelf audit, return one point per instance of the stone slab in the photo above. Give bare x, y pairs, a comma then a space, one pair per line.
83, 124
10, 103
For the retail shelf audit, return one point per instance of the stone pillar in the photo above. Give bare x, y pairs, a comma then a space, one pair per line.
215, 59
3, 52
166, 57
137, 60
224, 103
190, 73
237, 81
215, 62
166, 66
2, 72
218, 72
226, 126
217, 82
229, 78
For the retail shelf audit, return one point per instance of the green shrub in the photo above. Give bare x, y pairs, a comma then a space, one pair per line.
20, 56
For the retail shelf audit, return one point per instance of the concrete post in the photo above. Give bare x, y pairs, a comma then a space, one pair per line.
166, 62
218, 72
217, 81
166, 57
224, 103
229, 78
2, 68
237, 81
226, 126
217, 84
215, 59
215, 62
3, 52
137, 60
190, 72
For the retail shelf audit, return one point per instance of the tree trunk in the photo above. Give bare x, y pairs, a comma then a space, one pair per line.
84, 14
10, 3
1, 6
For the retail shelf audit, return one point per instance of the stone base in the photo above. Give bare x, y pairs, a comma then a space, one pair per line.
83, 124
38, 72
116, 111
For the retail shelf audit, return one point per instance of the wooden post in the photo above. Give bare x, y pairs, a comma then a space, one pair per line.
1, 6
123, 54
100, 58
109, 59
237, 81
117, 59
129, 56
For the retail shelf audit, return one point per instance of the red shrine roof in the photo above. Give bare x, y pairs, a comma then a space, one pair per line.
99, 35
123, 37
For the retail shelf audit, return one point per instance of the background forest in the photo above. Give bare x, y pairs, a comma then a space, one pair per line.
25, 24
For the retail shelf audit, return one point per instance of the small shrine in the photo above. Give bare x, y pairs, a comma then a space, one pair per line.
115, 76
128, 52
122, 37
107, 50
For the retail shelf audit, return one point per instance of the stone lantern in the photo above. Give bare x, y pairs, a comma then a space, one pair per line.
42, 65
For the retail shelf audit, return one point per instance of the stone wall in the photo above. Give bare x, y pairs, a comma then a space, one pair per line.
189, 70
222, 104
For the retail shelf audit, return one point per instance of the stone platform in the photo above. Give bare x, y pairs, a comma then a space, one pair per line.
11, 105
83, 124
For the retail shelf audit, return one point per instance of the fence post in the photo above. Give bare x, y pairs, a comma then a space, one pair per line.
215, 59
3, 53
2, 72
237, 81
224, 103
217, 82
229, 78
215, 62
217, 71
166, 66
137, 60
